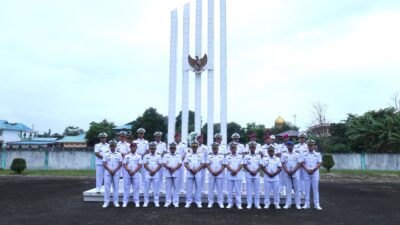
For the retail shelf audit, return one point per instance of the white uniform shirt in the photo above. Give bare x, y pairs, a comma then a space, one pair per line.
152, 162
203, 149
271, 164
172, 160
132, 160
258, 148
123, 147
194, 160
112, 159
142, 146
161, 148
234, 162
181, 148
264, 149
240, 148
291, 160
102, 149
222, 149
300, 148
216, 162
311, 159
252, 162
281, 149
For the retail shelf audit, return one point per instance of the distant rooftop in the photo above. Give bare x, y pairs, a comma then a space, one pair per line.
290, 133
73, 139
31, 143
44, 139
5, 125
123, 127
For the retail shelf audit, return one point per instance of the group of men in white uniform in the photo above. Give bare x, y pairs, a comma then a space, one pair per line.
143, 165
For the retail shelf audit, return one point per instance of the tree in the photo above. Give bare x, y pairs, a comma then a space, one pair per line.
318, 113
73, 131
151, 121
96, 128
178, 124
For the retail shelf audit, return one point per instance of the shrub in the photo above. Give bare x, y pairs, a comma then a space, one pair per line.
328, 162
18, 165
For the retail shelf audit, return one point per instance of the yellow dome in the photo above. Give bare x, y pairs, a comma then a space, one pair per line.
279, 121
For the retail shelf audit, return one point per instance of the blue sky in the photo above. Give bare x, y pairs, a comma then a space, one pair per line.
72, 62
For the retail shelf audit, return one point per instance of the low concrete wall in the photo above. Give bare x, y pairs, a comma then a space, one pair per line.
83, 159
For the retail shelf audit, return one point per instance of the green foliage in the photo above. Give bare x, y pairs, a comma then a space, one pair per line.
72, 131
18, 165
178, 124
96, 128
375, 131
327, 161
151, 121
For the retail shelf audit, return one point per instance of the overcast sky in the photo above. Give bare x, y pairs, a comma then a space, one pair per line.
72, 62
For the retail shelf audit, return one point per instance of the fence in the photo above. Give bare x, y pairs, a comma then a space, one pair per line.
84, 159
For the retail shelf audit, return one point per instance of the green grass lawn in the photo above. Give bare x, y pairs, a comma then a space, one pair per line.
52, 172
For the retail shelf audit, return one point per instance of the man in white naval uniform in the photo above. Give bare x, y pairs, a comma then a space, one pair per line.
281, 149
301, 148
152, 163
194, 163
215, 164
272, 166
240, 147
123, 147
311, 163
132, 164
172, 162
181, 148
222, 148
291, 162
252, 164
112, 162
203, 149
265, 146
234, 176
142, 149
161, 150
99, 150
253, 137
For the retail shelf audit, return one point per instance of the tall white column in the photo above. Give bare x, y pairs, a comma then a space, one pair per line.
223, 68
172, 75
197, 118
185, 72
210, 67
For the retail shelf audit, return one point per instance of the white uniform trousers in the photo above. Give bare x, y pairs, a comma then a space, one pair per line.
235, 185
111, 181
182, 176
274, 186
215, 183
282, 181
172, 187
134, 183
143, 178
302, 181
196, 183
162, 179
253, 186
292, 183
99, 176
312, 181
156, 194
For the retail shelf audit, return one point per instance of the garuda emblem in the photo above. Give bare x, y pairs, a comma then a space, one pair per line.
197, 64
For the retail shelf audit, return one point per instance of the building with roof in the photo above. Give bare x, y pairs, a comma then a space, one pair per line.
78, 141
293, 134
13, 132
126, 127
34, 143
320, 130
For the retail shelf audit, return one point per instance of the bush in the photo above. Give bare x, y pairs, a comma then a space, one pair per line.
340, 148
18, 165
328, 162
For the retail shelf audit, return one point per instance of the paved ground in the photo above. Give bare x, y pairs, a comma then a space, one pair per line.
54, 201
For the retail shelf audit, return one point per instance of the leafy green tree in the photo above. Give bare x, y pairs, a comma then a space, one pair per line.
96, 128
178, 126
375, 131
73, 131
151, 121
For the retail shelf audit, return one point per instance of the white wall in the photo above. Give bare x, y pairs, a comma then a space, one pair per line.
11, 135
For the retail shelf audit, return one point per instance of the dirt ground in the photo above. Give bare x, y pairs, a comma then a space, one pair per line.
33, 200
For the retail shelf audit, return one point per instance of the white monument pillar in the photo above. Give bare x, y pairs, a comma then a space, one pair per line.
197, 118
210, 68
223, 68
172, 75
185, 73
